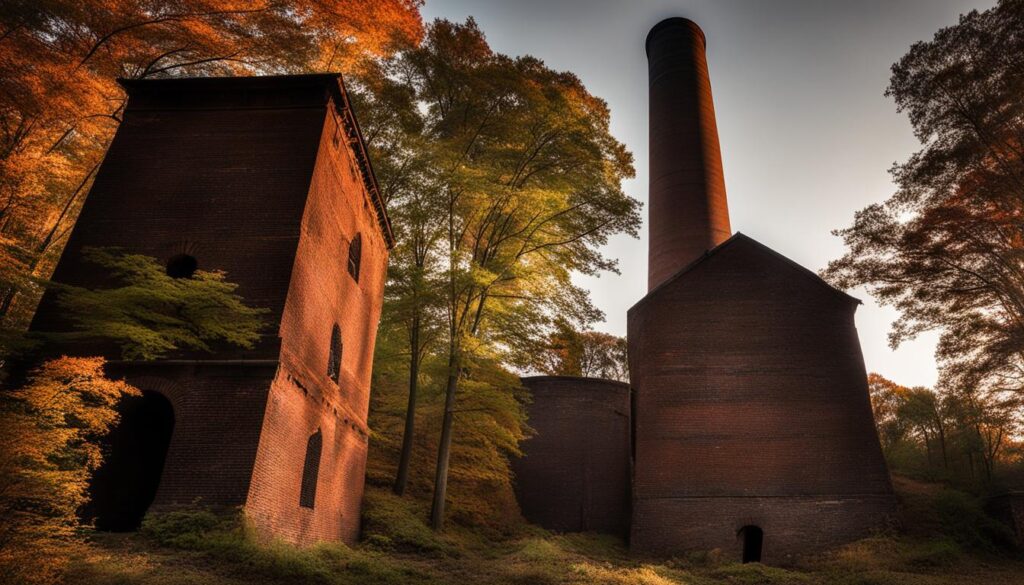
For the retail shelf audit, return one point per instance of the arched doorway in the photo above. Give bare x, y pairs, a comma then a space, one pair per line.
124, 486
753, 540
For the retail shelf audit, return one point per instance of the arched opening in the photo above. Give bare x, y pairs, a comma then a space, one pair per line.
334, 355
125, 485
182, 266
355, 253
311, 470
753, 540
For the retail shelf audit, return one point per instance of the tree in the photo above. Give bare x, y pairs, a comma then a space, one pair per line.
947, 249
886, 399
963, 437
49, 447
514, 185
393, 128
593, 354
150, 313
922, 409
51, 427
59, 103
532, 189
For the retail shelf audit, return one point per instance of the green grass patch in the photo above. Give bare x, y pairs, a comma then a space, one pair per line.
395, 524
228, 538
948, 541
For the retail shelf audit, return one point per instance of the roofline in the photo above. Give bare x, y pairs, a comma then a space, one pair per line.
573, 379
1012, 493
333, 83
237, 80
739, 236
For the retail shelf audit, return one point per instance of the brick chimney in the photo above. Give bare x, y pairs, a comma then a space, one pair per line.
688, 210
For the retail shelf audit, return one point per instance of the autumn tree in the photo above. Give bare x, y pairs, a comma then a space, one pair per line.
947, 249
571, 352
49, 447
393, 128
520, 188
963, 437
59, 103
52, 425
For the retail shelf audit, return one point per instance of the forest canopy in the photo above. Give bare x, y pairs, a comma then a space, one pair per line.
947, 250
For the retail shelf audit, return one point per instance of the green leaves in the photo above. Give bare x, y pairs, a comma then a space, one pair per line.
502, 180
150, 313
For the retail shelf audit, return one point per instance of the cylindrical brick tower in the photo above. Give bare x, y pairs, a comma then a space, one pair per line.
688, 209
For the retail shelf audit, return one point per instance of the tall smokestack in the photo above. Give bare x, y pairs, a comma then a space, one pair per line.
688, 210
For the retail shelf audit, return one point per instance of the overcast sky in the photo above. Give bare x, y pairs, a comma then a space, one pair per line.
807, 136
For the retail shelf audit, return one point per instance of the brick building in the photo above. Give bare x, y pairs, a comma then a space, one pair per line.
267, 179
753, 428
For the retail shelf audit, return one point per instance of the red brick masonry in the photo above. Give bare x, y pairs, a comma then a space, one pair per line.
267, 179
751, 408
575, 473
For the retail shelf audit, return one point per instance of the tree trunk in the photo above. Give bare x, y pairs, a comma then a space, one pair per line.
12, 292
444, 450
927, 446
942, 445
402, 478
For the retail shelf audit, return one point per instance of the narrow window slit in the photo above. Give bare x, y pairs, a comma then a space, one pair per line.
311, 470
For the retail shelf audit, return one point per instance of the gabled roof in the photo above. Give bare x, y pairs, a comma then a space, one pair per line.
738, 239
188, 91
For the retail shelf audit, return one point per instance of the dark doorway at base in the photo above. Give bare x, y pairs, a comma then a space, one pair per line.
125, 485
753, 539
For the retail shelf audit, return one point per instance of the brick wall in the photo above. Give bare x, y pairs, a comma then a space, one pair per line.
751, 408
218, 413
322, 293
574, 473
792, 525
225, 185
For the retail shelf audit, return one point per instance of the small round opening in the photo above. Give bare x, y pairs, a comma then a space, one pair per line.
182, 266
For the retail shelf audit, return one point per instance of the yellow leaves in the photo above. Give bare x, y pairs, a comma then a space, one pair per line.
74, 393
49, 430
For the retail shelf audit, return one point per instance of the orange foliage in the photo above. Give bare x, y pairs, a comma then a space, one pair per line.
49, 432
59, 103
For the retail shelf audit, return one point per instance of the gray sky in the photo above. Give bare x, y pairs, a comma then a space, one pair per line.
807, 136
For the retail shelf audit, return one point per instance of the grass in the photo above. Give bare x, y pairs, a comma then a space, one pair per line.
947, 540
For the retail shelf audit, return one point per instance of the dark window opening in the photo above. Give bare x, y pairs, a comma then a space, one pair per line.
355, 252
334, 358
182, 266
753, 539
125, 485
311, 470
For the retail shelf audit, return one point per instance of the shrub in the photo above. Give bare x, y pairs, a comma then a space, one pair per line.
49, 446
394, 523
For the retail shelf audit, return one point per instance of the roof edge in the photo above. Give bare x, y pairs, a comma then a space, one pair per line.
741, 237
545, 378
